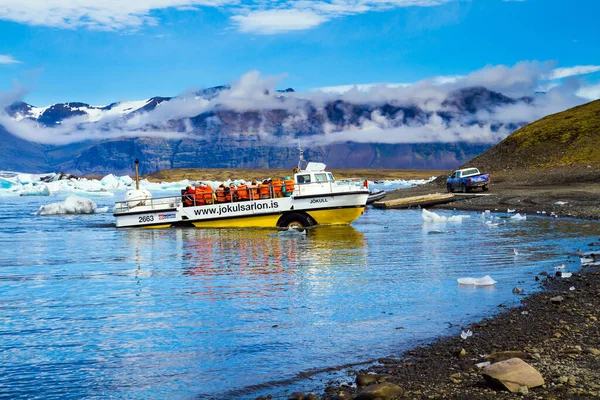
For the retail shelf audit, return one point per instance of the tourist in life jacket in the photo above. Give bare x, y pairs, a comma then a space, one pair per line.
230, 192
208, 194
242, 191
220, 193
277, 186
253, 190
264, 189
288, 186
200, 194
189, 198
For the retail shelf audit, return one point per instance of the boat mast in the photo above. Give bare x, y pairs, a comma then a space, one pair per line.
301, 160
137, 175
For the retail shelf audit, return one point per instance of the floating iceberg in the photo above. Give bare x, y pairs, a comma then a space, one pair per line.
431, 217
72, 205
35, 190
519, 217
485, 281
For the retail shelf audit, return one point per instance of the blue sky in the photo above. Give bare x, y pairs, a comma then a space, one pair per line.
103, 51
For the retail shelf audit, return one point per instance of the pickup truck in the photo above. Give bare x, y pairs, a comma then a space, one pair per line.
465, 179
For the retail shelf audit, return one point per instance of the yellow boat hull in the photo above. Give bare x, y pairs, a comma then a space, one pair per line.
335, 216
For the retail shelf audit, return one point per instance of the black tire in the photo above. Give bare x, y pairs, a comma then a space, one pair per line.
464, 189
449, 188
485, 188
295, 221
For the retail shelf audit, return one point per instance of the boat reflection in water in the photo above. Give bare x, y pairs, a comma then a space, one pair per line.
240, 255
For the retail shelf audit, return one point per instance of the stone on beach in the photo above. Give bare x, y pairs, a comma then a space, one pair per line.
381, 391
513, 374
369, 379
506, 355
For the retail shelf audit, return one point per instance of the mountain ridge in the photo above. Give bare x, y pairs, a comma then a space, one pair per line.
226, 136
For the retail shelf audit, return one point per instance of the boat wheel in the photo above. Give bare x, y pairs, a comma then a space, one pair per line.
295, 221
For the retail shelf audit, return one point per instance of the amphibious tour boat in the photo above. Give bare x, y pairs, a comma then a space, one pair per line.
313, 197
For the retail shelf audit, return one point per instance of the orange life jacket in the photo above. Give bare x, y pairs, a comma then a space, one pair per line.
208, 195
199, 197
228, 193
289, 187
253, 192
264, 190
189, 197
220, 194
242, 192
277, 188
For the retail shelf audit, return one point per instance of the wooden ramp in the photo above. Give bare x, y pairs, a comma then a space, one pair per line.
416, 201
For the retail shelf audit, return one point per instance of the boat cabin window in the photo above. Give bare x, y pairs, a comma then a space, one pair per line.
303, 178
330, 175
321, 177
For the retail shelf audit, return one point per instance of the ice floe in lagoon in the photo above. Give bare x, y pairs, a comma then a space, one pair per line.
485, 281
518, 217
431, 217
71, 205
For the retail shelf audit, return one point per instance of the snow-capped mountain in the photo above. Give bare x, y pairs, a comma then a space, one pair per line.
227, 127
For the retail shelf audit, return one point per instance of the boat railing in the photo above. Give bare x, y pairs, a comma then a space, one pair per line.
150, 204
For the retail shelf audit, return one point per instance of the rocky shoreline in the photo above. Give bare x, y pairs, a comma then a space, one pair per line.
555, 331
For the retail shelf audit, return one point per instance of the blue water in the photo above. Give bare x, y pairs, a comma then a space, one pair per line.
89, 311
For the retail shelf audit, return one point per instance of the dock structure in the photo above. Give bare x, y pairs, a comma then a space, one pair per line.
416, 201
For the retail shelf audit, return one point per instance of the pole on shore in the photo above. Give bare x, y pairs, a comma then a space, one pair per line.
137, 174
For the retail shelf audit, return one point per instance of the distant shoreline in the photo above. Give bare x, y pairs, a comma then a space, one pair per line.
223, 174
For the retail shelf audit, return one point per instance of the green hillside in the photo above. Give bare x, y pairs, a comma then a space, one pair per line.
568, 139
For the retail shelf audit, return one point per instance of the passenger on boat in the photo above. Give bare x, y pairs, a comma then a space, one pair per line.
208, 194
288, 186
200, 194
242, 191
253, 190
220, 193
189, 198
230, 193
264, 189
277, 186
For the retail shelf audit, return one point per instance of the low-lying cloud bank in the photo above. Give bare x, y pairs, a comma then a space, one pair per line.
441, 110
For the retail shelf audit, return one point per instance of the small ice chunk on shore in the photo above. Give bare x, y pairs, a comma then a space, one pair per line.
72, 205
519, 217
466, 334
485, 281
561, 203
431, 217
510, 211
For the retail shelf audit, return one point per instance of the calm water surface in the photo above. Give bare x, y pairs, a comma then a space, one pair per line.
89, 311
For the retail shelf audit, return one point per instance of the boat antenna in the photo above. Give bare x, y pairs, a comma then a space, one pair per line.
137, 174
301, 160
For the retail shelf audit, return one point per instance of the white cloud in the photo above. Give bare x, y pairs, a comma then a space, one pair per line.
591, 92
8, 59
256, 16
275, 21
424, 100
94, 14
560, 73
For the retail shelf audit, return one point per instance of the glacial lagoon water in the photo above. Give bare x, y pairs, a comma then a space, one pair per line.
89, 311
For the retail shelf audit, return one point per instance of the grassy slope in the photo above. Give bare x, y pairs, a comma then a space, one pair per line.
568, 139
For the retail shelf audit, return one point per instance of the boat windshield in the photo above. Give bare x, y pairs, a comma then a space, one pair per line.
321, 177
